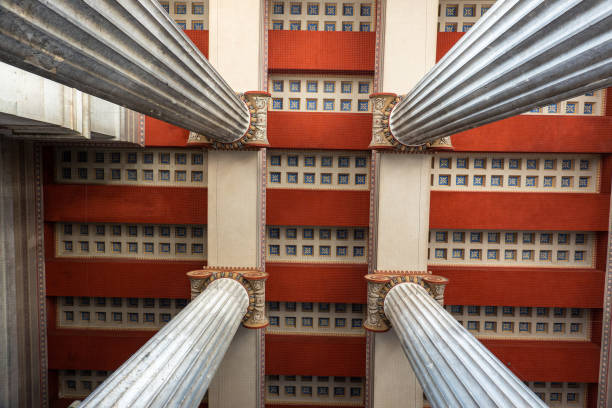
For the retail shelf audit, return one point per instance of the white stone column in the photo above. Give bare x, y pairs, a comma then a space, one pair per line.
522, 54
408, 50
454, 369
175, 367
127, 52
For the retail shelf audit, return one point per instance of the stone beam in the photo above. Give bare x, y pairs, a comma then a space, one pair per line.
522, 54
128, 52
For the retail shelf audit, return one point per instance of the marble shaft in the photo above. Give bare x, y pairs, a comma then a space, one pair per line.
453, 367
520, 55
129, 52
175, 367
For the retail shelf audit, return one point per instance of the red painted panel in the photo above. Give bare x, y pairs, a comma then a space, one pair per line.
315, 355
319, 130
559, 361
92, 203
321, 51
545, 133
520, 211
505, 286
316, 283
74, 349
606, 171
601, 249
160, 133
316, 207
592, 395
445, 43
119, 278
596, 325
200, 39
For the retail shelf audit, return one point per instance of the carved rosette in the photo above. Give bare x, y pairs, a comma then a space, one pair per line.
382, 105
255, 136
382, 138
379, 284
253, 281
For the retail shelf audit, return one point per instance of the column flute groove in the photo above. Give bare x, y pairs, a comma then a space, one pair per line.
522, 54
175, 367
129, 52
453, 367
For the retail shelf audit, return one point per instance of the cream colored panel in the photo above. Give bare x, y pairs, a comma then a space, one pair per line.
403, 212
409, 49
233, 208
235, 42
236, 381
395, 384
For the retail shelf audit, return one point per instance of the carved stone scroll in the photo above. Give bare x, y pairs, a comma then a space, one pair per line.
379, 284
256, 134
382, 137
253, 281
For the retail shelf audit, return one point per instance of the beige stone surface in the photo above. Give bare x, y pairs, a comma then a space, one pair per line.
235, 38
409, 48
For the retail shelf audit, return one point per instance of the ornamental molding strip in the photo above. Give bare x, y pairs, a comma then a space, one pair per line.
256, 135
253, 281
382, 137
381, 282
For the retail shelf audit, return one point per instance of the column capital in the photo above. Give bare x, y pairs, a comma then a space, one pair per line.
381, 282
252, 279
383, 104
256, 134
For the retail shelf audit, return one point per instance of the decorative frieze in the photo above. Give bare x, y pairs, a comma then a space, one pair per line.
159, 167
139, 241
381, 282
253, 281
558, 249
318, 170
516, 172
310, 318
188, 14
320, 93
116, 312
308, 244
256, 134
308, 389
318, 15
523, 322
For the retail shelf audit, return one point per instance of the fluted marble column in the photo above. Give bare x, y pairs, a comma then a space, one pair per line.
175, 367
522, 54
454, 369
129, 52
